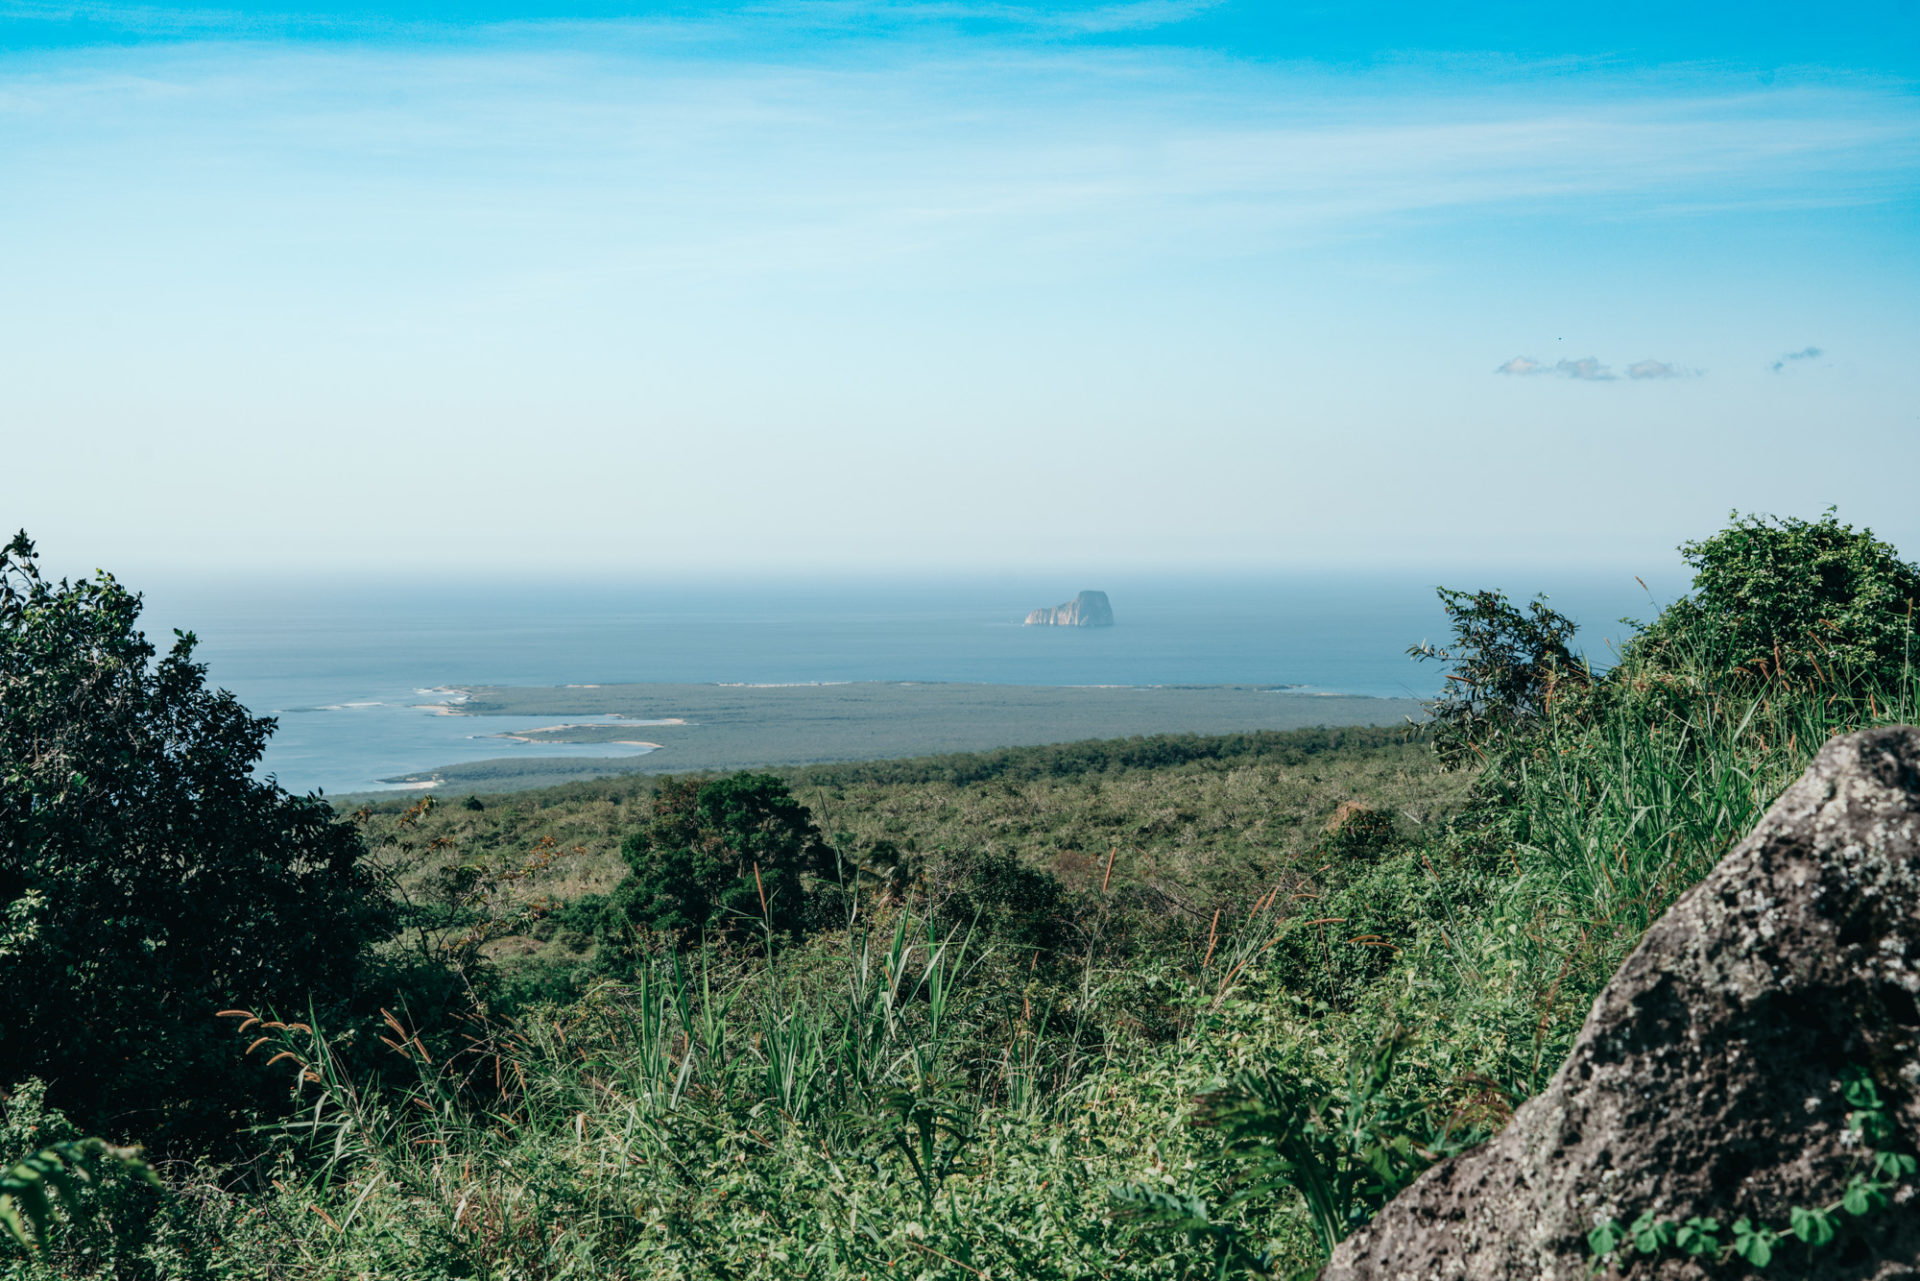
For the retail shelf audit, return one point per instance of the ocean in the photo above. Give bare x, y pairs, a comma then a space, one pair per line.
352, 669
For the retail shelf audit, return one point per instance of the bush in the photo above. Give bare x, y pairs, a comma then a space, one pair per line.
1356, 831
721, 856
152, 879
1004, 900
1792, 598
1508, 665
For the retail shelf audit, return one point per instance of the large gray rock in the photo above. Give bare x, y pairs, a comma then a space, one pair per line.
1704, 1081
1088, 609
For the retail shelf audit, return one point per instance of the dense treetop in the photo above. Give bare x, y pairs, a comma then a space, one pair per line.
152, 878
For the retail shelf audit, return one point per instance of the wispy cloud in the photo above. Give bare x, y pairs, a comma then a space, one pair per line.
1073, 19
1521, 366
1645, 369
1805, 353
1590, 369
626, 148
1587, 369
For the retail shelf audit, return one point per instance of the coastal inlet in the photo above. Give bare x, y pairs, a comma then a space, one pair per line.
728, 727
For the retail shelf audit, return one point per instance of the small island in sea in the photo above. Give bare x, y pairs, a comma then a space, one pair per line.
1088, 609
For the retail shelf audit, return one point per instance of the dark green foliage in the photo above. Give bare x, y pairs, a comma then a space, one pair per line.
1508, 664
722, 856
1021, 907
1344, 1151
1356, 832
1104, 755
1221, 1241
152, 878
1792, 598
72, 1200
33, 1186
1374, 895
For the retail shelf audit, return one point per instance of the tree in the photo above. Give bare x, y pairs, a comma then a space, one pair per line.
1508, 666
151, 878
721, 855
1791, 598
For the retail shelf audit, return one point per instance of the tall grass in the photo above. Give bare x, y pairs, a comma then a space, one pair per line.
1617, 804
835, 1112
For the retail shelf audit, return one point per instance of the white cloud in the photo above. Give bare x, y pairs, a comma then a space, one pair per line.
1645, 369
1590, 369
1805, 353
1586, 369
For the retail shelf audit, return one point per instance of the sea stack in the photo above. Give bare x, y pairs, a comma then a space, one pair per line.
1088, 609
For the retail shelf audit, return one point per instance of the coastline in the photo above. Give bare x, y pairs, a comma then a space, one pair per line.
720, 727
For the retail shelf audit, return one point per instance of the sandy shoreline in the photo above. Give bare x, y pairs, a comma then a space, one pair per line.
555, 733
614, 742
720, 727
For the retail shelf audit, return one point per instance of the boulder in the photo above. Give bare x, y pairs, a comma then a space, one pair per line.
1088, 609
1706, 1080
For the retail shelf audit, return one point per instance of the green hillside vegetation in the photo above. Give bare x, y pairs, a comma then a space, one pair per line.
1171, 1007
1190, 821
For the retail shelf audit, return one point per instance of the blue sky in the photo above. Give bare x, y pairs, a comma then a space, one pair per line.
850, 286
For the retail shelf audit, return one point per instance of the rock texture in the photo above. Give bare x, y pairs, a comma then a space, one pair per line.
1705, 1078
1088, 609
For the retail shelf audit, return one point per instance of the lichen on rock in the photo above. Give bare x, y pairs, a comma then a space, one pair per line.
1705, 1080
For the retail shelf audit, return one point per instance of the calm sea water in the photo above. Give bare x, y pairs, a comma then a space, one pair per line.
345, 667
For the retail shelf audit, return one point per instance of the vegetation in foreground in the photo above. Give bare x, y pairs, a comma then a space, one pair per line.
1160, 1009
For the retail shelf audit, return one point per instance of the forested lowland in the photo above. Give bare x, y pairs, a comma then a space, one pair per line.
1168, 1007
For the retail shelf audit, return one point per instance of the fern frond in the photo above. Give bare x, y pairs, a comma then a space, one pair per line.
28, 1189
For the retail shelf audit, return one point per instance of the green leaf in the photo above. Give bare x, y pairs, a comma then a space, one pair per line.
1699, 1236
1606, 1237
1862, 1197
1815, 1227
14, 1225
1858, 1089
1894, 1165
61, 1166
1755, 1245
1649, 1234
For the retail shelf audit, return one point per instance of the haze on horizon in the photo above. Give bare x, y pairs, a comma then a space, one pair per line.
865, 287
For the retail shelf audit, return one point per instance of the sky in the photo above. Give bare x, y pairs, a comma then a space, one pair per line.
833, 286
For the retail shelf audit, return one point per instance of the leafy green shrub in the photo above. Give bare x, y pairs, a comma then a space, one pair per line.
71, 1201
1008, 902
1356, 831
1792, 598
1364, 914
157, 879
720, 856
1347, 1150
